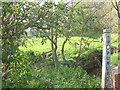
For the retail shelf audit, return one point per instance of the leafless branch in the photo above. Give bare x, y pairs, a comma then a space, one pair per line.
114, 6
77, 3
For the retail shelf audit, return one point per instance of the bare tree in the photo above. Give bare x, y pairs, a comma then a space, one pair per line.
116, 5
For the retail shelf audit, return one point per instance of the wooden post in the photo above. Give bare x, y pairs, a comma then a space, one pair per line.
106, 58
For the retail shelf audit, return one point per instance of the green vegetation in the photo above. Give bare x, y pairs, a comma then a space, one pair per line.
62, 48
114, 59
34, 44
26, 75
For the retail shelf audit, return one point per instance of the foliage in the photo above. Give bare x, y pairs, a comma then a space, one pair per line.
65, 77
114, 59
53, 23
13, 27
18, 16
41, 18
24, 75
20, 67
85, 23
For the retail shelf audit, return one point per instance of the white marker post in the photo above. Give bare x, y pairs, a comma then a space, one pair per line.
106, 58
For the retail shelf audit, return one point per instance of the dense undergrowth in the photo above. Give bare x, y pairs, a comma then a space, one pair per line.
24, 74
27, 74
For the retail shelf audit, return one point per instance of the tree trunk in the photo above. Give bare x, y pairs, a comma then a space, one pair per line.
54, 49
63, 55
56, 59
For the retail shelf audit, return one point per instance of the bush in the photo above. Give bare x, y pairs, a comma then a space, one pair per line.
47, 77
24, 75
20, 74
66, 77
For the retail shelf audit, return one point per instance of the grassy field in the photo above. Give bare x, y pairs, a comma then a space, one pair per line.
70, 46
34, 44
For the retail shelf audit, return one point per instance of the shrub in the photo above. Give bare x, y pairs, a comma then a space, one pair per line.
47, 77
20, 74
24, 75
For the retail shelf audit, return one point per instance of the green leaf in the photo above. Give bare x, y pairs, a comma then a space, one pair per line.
26, 33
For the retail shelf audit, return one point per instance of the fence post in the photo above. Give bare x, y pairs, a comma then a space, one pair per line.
106, 58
